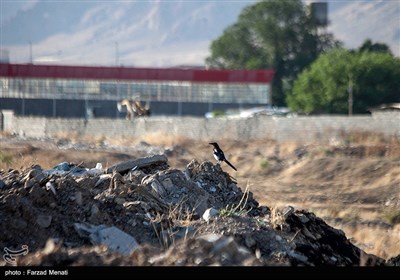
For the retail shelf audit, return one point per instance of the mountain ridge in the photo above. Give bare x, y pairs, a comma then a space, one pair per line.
158, 33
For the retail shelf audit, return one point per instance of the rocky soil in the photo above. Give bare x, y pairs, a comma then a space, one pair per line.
141, 211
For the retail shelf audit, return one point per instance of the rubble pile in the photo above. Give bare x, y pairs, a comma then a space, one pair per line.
142, 212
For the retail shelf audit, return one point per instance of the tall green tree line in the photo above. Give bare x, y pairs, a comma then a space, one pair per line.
372, 75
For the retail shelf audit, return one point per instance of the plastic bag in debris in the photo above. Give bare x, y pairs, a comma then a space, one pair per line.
74, 170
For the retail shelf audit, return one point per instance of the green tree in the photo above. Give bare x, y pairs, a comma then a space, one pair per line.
368, 46
271, 34
374, 78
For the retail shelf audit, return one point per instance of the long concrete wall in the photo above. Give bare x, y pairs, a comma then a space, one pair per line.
320, 129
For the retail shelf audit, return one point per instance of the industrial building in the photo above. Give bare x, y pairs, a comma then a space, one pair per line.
88, 91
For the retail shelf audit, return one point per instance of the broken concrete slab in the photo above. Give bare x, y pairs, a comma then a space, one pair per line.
126, 166
115, 239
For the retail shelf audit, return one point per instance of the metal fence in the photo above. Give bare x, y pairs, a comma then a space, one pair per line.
174, 91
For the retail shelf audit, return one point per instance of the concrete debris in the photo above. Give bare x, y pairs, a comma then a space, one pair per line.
142, 212
287, 211
114, 238
250, 242
66, 168
29, 183
221, 188
206, 250
210, 213
44, 220
119, 200
102, 179
34, 176
78, 198
172, 187
94, 210
51, 186
395, 261
124, 167
155, 186
38, 195
96, 171
302, 218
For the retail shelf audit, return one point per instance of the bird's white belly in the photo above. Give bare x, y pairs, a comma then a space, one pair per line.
215, 156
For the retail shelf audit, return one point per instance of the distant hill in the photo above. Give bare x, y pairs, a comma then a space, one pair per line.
158, 33
131, 33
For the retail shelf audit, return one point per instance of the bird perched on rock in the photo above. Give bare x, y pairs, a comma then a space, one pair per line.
219, 155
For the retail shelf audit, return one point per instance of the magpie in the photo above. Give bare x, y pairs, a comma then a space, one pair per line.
219, 155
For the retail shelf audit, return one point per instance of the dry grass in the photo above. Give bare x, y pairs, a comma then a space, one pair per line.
165, 225
374, 240
374, 144
238, 209
337, 185
354, 181
68, 135
160, 139
370, 138
5, 133
155, 139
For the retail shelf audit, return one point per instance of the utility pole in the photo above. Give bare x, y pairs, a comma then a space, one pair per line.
116, 54
30, 52
350, 100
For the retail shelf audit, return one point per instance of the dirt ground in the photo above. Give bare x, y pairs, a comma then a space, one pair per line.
353, 186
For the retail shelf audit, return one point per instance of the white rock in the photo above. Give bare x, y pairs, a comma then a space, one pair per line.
210, 213
112, 237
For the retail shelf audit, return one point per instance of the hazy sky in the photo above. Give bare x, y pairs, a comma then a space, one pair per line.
159, 33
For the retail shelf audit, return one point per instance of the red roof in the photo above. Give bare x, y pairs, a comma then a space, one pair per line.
127, 73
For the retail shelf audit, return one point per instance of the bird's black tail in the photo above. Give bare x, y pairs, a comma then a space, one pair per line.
230, 164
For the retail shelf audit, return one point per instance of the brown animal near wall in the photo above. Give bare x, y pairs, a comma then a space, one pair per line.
134, 108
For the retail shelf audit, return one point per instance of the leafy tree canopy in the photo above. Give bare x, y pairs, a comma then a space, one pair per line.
368, 46
374, 78
271, 34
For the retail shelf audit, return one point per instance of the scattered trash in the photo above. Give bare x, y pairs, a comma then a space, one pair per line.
74, 170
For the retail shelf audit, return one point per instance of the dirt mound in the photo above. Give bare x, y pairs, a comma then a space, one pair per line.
142, 212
